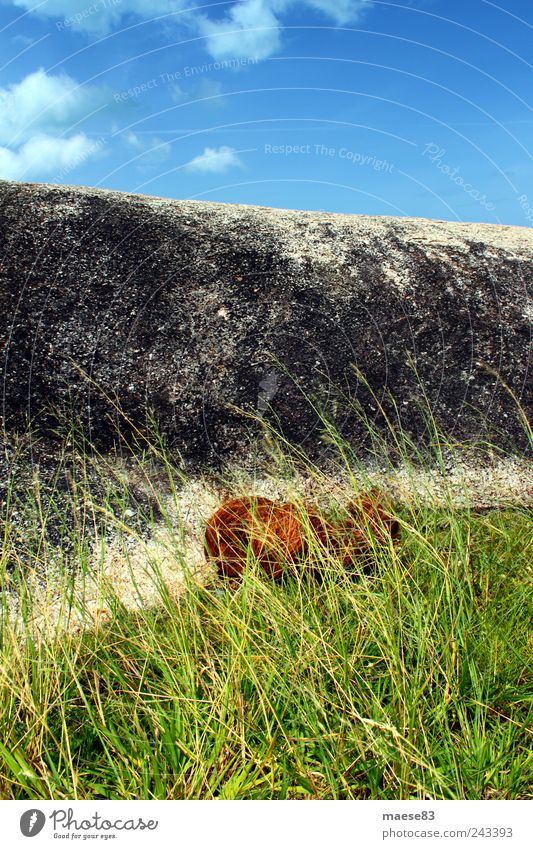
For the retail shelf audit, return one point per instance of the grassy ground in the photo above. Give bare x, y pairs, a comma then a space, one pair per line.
411, 683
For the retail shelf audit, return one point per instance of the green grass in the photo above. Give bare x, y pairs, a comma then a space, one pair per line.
412, 683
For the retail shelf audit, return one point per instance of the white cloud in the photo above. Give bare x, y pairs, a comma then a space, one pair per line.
250, 28
204, 88
342, 12
35, 114
215, 160
97, 17
24, 40
135, 141
153, 149
46, 156
178, 94
42, 103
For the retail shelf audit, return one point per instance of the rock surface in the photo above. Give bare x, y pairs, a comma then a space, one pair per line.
193, 309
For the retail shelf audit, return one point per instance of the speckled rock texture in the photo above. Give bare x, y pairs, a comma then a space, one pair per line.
193, 309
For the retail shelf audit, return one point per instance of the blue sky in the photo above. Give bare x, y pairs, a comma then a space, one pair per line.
406, 107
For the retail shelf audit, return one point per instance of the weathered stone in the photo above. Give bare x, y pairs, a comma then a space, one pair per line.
180, 306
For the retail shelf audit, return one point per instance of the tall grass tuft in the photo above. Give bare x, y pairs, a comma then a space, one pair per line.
409, 683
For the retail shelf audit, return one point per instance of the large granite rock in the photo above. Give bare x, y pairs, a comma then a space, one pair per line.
191, 309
